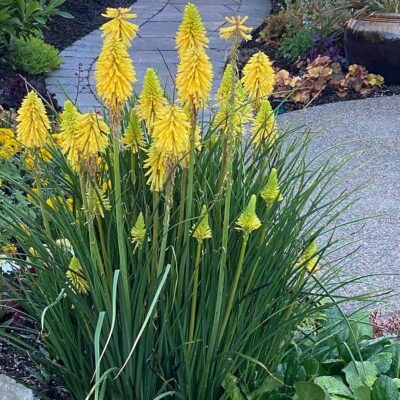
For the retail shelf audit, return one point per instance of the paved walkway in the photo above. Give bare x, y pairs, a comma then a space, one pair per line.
153, 47
369, 129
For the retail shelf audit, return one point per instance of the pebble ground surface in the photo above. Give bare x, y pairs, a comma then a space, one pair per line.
369, 131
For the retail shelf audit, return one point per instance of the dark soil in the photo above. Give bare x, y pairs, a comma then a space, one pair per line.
61, 33
247, 49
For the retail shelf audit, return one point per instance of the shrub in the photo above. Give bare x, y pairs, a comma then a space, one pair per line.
191, 253
33, 56
25, 18
298, 45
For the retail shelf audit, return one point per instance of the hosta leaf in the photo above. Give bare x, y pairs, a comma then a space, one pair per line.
385, 389
362, 393
309, 391
383, 361
333, 385
360, 374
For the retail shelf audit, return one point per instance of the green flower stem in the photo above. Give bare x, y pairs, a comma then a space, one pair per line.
38, 184
235, 283
104, 248
195, 290
123, 265
133, 180
167, 214
156, 219
183, 188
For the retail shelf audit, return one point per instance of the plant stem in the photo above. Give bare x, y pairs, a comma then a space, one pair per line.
195, 289
38, 184
156, 221
133, 180
115, 123
235, 284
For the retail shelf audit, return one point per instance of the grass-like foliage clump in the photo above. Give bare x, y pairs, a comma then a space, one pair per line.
172, 250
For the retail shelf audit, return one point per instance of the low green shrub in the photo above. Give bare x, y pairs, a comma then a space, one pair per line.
297, 46
25, 18
33, 56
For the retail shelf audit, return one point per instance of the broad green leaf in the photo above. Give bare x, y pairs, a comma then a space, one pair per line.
385, 389
395, 368
311, 366
309, 391
360, 374
362, 393
382, 361
269, 384
333, 385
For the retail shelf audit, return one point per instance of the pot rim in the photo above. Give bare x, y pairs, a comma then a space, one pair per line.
379, 17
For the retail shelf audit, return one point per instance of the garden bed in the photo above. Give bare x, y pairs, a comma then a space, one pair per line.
328, 95
61, 33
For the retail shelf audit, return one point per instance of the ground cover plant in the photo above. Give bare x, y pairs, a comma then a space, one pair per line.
160, 249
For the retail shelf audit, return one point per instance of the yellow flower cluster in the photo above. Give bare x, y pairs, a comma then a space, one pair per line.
248, 220
114, 69
264, 128
202, 230
8, 145
9, 248
133, 136
309, 258
151, 100
76, 277
33, 123
138, 232
191, 32
236, 28
271, 191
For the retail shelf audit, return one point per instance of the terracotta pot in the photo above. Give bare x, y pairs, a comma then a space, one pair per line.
374, 41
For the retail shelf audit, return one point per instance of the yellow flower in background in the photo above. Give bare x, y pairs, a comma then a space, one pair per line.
151, 100
191, 32
258, 77
171, 132
156, 163
69, 133
271, 191
248, 220
202, 230
33, 123
9, 248
30, 197
133, 137
138, 232
106, 186
236, 28
55, 202
119, 28
1, 183
264, 126
101, 202
225, 85
309, 257
92, 135
194, 77
76, 277
114, 74
8, 145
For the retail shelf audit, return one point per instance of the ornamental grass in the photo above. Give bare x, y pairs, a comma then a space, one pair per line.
162, 251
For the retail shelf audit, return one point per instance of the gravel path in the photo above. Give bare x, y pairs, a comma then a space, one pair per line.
370, 129
153, 47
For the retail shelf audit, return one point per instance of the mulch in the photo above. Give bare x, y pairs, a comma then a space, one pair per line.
61, 33
247, 49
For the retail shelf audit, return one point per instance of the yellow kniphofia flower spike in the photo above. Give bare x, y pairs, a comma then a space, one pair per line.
114, 74
156, 163
248, 220
133, 136
236, 28
138, 232
264, 126
92, 135
194, 78
258, 77
202, 230
118, 27
33, 123
76, 277
309, 257
68, 136
171, 132
271, 191
191, 32
151, 100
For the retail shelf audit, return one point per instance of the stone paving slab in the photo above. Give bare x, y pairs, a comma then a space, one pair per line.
153, 47
369, 130
11, 390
